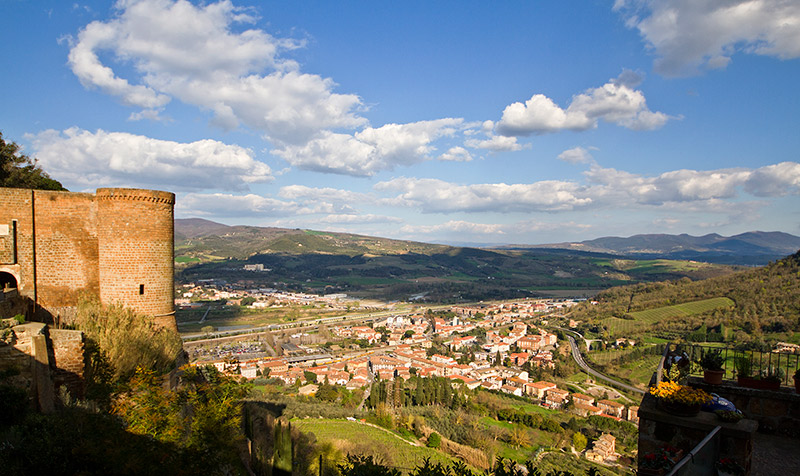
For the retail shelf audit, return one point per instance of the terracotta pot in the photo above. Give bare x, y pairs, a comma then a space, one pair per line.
760, 384
713, 377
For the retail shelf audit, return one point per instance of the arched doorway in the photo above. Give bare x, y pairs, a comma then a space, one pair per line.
7, 281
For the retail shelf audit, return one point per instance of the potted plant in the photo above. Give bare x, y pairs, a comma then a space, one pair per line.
712, 362
681, 400
659, 462
744, 369
769, 379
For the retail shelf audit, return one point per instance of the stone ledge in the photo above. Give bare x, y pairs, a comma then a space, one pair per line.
732, 388
705, 421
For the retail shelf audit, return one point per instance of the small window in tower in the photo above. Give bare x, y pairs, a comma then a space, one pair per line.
141, 289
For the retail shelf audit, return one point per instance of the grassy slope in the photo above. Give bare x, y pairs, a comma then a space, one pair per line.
769, 294
353, 435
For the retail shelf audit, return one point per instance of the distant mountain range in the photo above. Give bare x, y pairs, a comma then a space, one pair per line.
751, 248
197, 236
365, 266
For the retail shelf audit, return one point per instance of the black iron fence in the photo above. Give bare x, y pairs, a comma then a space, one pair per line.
735, 363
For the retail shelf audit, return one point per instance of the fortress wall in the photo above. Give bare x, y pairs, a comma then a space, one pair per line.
16, 204
116, 245
135, 235
66, 248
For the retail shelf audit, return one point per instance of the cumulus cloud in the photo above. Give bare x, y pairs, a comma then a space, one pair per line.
616, 101
302, 192
496, 144
576, 155
228, 205
691, 35
715, 191
680, 186
353, 219
88, 159
370, 150
509, 231
438, 196
456, 154
201, 56
458, 226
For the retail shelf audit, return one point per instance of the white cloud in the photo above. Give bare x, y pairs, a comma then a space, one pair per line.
86, 159
198, 55
616, 102
351, 219
576, 155
693, 185
370, 150
715, 191
438, 196
456, 154
775, 180
228, 205
302, 192
455, 226
482, 231
496, 144
692, 35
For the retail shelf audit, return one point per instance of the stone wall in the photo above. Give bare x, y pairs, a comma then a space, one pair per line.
658, 428
136, 246
65, 233
116, 246
26, 354
775, 411
69, 361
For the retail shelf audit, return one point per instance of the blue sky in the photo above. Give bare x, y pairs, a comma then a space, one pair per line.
450, 122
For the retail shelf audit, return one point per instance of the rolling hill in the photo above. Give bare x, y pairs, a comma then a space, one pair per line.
389, 269
751, 248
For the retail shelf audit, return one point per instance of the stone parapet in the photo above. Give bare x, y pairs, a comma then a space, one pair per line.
776, 411
658, 428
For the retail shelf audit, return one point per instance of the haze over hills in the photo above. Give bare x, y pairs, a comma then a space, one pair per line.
751, 248
394, 269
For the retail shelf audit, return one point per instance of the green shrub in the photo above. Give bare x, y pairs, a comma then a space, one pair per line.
127, 339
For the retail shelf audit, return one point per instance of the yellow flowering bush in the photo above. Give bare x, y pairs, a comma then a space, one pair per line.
677, 394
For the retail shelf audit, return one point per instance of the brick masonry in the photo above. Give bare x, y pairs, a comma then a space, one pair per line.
115, 245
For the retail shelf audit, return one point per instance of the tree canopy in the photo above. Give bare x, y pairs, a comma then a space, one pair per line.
20, 171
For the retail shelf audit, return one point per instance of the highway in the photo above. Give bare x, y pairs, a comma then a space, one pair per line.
576, 354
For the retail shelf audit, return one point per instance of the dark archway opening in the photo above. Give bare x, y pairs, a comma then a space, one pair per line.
7, 281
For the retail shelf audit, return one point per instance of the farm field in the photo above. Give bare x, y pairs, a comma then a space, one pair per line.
357, 437
643, 319
683, 310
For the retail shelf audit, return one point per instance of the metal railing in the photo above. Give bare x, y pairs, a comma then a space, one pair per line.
781, 364
702, 459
